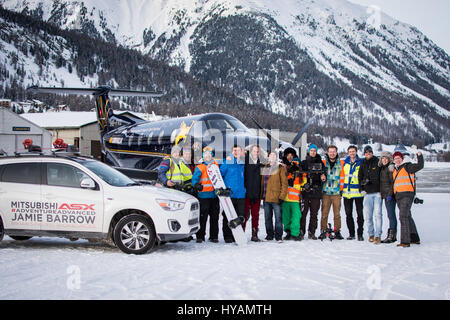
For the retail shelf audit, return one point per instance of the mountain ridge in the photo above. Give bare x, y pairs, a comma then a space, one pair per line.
324, 60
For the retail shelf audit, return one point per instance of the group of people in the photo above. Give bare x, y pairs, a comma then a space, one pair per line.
290, 189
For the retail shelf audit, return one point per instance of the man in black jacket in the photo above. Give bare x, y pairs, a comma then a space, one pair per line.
312, 190
252, 182
369, 185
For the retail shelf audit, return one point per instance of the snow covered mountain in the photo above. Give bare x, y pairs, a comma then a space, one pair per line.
349, 66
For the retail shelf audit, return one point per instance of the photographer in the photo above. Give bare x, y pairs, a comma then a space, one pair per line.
369, 185
312, 190
405, 190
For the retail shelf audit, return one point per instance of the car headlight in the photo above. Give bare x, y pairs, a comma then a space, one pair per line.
170, 205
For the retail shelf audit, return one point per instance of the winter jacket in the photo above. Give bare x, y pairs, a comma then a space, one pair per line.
351, 182
386, 180
277, 184
411, 168
201, 176
232, 172
313, 179
252, 178
369, 175
335, 177
177, 171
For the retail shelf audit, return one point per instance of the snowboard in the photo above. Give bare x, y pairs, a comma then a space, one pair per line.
234, 221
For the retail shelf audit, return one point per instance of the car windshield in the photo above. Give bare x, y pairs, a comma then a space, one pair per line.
108, 174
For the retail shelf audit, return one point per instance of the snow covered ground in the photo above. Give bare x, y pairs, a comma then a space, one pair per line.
59, 269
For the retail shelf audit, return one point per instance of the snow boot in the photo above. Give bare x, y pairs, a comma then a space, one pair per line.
312, 236
255, 235
371, 238
377, 240
338, 236
288, 235
415, 238
403, 245
391, 236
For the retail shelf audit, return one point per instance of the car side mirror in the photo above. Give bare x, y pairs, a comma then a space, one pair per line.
87, 183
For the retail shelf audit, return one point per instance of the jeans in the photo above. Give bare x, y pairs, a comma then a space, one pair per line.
372, 208
390, 208
270, 209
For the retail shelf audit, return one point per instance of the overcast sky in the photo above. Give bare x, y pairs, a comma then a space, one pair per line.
429, 16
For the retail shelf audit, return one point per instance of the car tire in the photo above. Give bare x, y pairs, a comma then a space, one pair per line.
20, 238
2, 230
134, 234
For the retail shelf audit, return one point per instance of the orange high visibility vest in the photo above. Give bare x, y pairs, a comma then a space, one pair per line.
204, 178
403, 181
293, 194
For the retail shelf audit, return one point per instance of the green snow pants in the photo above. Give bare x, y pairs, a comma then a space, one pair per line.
291, 217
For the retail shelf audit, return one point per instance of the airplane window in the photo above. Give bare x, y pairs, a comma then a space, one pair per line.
220, 124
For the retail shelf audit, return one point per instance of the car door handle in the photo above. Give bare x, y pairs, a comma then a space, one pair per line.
49, 195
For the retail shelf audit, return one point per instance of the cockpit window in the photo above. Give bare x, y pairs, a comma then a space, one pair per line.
225, 125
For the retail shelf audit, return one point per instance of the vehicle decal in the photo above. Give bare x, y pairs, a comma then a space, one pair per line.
52, 213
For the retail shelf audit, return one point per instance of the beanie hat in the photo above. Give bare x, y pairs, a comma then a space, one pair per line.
312, 146
368, 149
398, 154
386, 154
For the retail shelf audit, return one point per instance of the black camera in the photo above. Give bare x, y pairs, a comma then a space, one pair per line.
418, 201
316, 168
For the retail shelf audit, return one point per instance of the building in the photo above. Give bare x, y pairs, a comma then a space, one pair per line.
14, 129
75, 128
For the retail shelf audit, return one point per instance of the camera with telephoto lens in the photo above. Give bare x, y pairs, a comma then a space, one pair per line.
418, 201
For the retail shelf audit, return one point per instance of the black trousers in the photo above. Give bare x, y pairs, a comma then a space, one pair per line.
348, 205
239, 206
408, 229
312, 205
209, 208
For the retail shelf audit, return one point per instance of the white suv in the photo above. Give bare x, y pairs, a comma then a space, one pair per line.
78, 197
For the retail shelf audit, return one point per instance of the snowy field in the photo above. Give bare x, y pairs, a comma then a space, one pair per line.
48, 268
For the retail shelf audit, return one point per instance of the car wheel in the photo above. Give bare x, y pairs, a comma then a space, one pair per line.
2, 230
20, 238
134, 234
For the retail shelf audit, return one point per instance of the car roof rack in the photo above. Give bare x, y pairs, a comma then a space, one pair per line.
28, 154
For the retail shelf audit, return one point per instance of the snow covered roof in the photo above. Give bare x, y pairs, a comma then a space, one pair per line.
69, 119
61, 119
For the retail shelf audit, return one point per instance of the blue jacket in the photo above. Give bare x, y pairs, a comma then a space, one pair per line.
233, 175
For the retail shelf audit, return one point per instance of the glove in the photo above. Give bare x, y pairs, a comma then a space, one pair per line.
364, 193
389, 198
290, 182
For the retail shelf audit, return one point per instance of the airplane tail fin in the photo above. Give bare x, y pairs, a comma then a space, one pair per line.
107, 119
